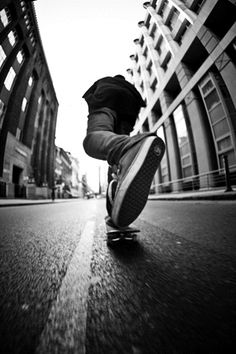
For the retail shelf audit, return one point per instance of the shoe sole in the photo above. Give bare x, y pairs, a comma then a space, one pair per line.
133, 191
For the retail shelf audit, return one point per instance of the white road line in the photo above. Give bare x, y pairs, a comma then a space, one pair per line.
65, 331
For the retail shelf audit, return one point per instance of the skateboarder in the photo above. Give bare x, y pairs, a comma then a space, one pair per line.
114, 105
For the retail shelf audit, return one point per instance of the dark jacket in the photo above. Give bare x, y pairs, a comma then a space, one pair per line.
117, 94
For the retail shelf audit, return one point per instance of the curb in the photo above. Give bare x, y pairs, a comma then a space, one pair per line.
197, 197
23, 204
29, 203
224, 196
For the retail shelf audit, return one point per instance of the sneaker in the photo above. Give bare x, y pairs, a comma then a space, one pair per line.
136, 171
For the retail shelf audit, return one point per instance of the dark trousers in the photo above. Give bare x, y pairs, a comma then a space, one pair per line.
108, 137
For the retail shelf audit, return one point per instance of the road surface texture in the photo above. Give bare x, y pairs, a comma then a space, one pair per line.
64, 291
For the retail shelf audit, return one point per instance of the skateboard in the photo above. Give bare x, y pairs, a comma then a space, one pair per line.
117, 235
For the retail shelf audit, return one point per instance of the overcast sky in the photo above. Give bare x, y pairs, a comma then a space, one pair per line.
84, 41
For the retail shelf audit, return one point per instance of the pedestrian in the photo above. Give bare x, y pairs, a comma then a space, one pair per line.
53, 193
114, 105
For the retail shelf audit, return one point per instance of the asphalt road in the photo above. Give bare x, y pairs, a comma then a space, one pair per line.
64, 291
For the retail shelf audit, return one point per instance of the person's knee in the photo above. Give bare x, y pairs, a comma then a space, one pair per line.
94, 145
87, 144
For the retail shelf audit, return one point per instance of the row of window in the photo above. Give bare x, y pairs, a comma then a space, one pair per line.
219, 123
159, 42
218, 117
12, 39
5, 17
195, 5
24, 105
183, 145
173, 19
31, 123
7, 45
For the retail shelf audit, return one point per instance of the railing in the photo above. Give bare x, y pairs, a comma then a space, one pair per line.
221, 178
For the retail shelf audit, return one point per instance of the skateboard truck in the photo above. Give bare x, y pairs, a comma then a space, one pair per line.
115, 235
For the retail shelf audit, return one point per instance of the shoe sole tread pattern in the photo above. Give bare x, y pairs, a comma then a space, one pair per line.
136, 195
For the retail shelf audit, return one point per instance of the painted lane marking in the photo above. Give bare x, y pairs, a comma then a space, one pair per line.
65, 331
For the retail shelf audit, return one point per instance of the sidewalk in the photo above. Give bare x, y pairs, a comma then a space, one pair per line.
218, 194
199, 195
19, 202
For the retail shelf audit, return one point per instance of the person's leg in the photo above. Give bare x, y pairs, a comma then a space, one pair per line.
101, 141
122, 127
135, 158
104, 140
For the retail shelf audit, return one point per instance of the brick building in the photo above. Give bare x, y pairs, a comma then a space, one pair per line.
28, 105
184, 67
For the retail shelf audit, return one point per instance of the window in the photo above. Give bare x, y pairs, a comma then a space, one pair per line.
154, 85
27, 21
163, 7
149, 68
39, 99
24, 104
142, 86
18, 133
9, 79
145, 53
5, 17
2, 112
32, 38
12, 38
218, 117
20, 57
183, 141
161, 46
173, 19
198, 5
153, 31
145, 126
2, 56
30, 82
23, 6
182, 32
207, 87
164, 165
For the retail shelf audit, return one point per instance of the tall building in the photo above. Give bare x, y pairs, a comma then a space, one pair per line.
184, 67
63, 172
28, 105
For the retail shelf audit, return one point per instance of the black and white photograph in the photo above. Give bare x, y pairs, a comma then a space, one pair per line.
117, 177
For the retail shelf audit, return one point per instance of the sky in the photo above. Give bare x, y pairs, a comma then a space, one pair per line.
84, 41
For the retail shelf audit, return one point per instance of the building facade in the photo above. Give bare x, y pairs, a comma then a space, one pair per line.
76, 178
68, 178
63, 173
28, 105
184, 66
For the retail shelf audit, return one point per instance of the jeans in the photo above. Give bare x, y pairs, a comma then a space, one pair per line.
108, 137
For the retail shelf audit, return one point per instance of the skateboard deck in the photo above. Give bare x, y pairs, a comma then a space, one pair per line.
121, 234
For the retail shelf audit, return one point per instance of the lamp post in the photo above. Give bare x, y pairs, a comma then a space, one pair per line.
99, 180
227, 174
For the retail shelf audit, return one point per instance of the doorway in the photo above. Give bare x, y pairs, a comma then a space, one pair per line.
16, 179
